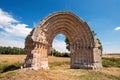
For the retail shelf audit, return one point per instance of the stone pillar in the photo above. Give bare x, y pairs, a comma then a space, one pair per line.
97, 59
39, 59
97, 64
81, 57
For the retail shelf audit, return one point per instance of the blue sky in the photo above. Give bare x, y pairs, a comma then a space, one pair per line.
18, 17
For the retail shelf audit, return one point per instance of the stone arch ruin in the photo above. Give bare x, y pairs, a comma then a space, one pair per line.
83, 46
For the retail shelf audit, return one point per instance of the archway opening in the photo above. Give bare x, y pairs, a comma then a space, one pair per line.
59, 43
60, 56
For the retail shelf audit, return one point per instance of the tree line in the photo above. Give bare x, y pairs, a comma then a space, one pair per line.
11, 50
56, 53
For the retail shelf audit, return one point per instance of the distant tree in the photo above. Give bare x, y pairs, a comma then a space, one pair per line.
67, 44
100, 47
59, 54
94, 34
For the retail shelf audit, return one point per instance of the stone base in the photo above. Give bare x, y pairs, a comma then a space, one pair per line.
39, 68
97, 66
43, 65
87, 66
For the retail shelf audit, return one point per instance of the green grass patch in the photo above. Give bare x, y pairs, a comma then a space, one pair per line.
113, 77
92, 75
97, 75
12, 73
111, 62
9, 75
54, 64
86, 77
5, 61
0, 75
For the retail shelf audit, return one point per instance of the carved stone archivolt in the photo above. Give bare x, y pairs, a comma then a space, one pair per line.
83, 46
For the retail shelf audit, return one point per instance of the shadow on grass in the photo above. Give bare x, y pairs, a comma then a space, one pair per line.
10, 67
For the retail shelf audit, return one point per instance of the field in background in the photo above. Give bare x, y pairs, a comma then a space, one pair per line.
12, 58
21, 58
59, 70
111, 55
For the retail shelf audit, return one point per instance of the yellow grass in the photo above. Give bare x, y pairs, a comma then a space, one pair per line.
12, 58
21, 58
111, 55
58, 72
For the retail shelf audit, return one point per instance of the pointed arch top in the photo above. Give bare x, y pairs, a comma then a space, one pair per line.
65, 23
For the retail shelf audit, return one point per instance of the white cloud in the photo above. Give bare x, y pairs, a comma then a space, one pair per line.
18, 30
6, 18
11, 42
60, 46
117, 28
12, 32
1, 26
12, 26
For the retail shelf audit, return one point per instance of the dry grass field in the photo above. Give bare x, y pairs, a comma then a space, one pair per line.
59, 70
111, 55
21, 58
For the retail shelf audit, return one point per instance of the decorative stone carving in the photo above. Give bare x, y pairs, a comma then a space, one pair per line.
83, 46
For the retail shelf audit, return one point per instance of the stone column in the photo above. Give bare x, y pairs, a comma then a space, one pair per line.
97, 62
39, 58
81, 57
